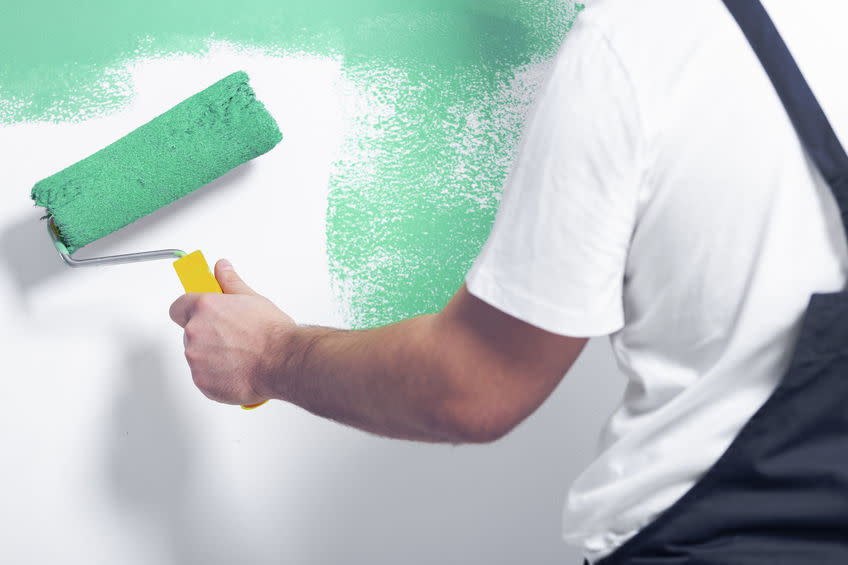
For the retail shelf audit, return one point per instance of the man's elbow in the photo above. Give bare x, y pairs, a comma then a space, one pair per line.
480, 422
487, 432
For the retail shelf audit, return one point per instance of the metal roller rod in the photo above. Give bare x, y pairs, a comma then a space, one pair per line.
111, 259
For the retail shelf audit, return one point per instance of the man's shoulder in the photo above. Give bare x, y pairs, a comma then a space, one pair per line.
646, 24
655, 40
648, 12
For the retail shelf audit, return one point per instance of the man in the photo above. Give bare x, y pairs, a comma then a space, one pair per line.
660, 196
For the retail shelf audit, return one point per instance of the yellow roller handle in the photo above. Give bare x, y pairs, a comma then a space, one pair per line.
195, 275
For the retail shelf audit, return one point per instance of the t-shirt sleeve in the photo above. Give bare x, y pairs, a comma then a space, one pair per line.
556, 255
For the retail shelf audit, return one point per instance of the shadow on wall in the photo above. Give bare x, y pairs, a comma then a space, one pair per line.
386, 501
26, 247
151, 470
374, 501
150, 459
27, 250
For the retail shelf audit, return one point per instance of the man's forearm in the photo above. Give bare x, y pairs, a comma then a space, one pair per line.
469, 373
392, 381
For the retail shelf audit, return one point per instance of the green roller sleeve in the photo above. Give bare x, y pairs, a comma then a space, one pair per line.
190, 145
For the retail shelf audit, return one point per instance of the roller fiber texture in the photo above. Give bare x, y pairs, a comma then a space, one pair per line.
190, 145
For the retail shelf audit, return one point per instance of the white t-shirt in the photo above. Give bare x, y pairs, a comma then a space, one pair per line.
660, 194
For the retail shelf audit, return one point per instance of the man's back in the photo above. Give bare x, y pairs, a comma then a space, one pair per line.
677, 182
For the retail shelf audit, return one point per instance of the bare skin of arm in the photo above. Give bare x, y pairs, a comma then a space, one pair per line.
467, 374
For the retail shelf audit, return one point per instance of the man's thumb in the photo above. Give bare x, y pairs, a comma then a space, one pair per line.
229, 280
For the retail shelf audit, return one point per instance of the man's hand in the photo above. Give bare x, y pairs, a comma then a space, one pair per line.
469, 373
233, 341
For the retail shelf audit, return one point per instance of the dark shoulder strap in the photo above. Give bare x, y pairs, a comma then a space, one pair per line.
806, 114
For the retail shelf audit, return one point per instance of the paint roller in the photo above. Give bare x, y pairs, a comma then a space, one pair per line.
187, 147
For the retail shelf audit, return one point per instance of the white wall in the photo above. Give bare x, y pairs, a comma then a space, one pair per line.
110, 455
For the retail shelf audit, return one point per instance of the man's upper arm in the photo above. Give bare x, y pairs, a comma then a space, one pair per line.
557, 253
508, 367
552, 271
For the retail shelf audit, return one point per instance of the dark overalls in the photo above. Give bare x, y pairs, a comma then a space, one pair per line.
779, 494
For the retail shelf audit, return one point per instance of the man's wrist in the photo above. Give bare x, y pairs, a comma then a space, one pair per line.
274, 381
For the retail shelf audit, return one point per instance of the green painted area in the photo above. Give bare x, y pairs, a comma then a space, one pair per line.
177, 152
414, 193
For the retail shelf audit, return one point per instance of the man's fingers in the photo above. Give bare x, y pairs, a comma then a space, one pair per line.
230, 281
183, 307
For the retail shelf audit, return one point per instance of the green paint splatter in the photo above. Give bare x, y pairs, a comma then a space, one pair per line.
414, 194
